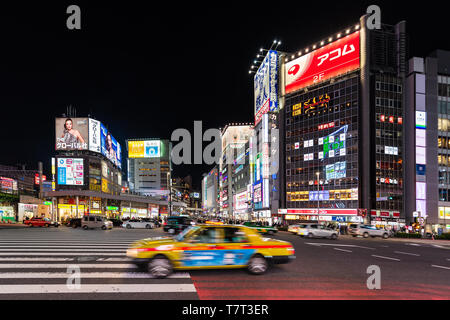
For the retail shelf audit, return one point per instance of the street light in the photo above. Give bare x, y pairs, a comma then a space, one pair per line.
318, 204
169, 186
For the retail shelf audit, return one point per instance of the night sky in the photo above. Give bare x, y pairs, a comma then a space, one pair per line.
145, 71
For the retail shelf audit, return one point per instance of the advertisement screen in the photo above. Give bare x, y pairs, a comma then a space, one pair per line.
332, 60
110, 147
266, 86
70, 171
8, 184
144, 149
334, 144
72, 133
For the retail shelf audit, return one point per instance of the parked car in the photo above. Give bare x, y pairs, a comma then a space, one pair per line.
74, 223
176, 224
138, 224
365, 231
116, 222
96, 221
41, 222
317, 231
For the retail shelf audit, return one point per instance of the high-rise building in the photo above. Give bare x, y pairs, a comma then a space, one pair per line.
149, 166
342, 127
234, 138
427, 141
210, 192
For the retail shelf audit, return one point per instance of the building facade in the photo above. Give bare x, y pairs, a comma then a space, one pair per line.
234, 139
427, 193
342, 128
149, 166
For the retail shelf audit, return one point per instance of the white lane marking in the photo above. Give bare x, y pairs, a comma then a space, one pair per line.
65, 265
72, 250
385, 258
59, 254
337, 245
412, 244
342, 250
407, 253
59, 275
442, 267
96, 288
59, 259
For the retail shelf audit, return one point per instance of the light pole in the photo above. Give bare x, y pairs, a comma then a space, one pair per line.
318, 204
169, 186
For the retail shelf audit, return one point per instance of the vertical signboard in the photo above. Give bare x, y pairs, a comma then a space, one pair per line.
266, 86
94, 136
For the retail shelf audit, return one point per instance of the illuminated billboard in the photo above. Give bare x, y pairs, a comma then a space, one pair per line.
72, 133
330, 61
266, 86
144, 149
70, 171
110, 147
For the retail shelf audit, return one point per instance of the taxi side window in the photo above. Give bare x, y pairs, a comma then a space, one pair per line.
234, 235
207, 235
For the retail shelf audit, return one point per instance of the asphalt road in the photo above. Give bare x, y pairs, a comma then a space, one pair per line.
34, 265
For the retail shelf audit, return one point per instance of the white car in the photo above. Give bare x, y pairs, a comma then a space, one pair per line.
293, 228
317, 231
368, 231
138, 224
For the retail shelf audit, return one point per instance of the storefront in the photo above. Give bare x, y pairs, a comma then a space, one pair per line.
7, 214
341, 217
386, 219
69, 211
263, 216
27, 211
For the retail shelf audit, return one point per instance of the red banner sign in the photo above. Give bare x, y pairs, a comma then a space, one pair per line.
330, 61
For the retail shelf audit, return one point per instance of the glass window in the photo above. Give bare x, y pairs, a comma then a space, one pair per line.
234, 235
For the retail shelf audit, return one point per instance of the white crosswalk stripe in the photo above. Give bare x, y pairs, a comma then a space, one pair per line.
37, 267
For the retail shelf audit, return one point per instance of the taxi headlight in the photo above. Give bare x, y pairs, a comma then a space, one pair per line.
132, 252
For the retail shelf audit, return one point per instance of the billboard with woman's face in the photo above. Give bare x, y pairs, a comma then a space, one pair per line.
110, 147
72, 133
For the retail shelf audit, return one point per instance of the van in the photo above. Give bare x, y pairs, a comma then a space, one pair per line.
95, 221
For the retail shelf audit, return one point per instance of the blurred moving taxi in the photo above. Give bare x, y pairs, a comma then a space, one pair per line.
210, 247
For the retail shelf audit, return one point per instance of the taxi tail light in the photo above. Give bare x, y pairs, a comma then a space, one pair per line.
292, 250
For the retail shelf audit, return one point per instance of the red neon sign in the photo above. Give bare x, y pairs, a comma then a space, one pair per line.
326, 126
327, 62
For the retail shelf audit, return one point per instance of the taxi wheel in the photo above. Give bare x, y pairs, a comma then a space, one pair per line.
160, 267
257, 265
103, 227
365, 235
334, 236
128, 226
147, 226
310, 235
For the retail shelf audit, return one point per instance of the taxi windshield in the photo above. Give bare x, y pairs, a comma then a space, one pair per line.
182, 234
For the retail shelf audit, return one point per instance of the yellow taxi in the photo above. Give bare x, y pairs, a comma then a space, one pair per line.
210, 247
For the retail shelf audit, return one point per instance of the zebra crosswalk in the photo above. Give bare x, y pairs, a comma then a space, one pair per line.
81, 268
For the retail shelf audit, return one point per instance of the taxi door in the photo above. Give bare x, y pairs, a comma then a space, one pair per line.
200, 250
235, 248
